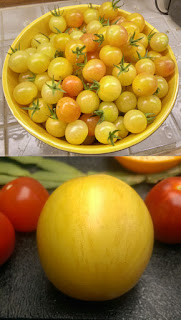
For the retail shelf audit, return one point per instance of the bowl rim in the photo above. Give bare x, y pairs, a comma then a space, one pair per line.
85, 149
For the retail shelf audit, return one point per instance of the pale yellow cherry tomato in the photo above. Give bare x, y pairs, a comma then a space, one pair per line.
153, 55
138, 19
48, 49
88, 101
76, 35
60, 68
119, 123
143, 39
91, 14
30, 51
149, 104
145, 65
109, 88
126, 101
39, 111
125, 73
25, 92
57, 22
93, 26
106, 132
110, 55
38, 39
88, 252
131, 28
135, 121
38, 62
76, 132
26, 76
144, 84
40, 79
60, 41
162, 87
18, 61
55, 127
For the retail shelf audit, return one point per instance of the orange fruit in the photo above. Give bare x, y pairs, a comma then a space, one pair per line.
148, 164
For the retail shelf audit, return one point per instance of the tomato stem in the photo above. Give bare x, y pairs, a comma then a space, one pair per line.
56, 12
55, 86
35, 107
121, 67
100, 39
112, 136
133, 41
100, 114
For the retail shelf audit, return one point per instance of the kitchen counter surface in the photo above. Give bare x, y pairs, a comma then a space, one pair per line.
14, 140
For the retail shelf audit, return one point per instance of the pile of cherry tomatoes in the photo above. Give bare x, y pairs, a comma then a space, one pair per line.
95, 76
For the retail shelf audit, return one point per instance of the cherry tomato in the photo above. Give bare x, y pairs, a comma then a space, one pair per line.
93, 26
38, 62
102, 32
138, 19
162, 87
92, 55
38, 39
159, 42
91, 14
153, 55
59, 68
131, 28
109, 89
110, 55
94, 69
143, 39
144, 84
118, 20
108, 10
135, 121
110, 111
57, 22
89, 140
88, 101
30, 51
125, 74
26, 76
55, 127
40, 79
74, 18
39, 111
22, 201
51, 92
48, 49
67, 110
72, 85
18, 61
25, 92
76, 35
60, 41
119, 123
76, 132
75, 51
7, 239
116, 35
103, 132
89, 39
91, 122
131, 52
145, 65
149, 104
126, 101
164, 205
164, 66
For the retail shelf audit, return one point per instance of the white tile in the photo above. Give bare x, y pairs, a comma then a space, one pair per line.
16, 19
167, 134
21, 143
2, 150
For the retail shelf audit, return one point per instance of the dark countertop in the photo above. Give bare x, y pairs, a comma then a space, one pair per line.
26, 293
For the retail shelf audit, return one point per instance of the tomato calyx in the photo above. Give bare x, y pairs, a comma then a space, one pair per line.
79, 52
122, 68
58, 54
113, 136
114, 4
134, 42
150, 117
53, 113
157, 91
35, 107
100, 39
55, 86
56, 12
100, 114
144, 57
104, 22
95, 86
32, 79
150, 35
14, 50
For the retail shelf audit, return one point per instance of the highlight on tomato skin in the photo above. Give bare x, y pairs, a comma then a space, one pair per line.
164, 205
22, 200
7, 238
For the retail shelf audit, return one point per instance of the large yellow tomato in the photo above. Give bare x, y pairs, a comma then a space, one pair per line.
95, 237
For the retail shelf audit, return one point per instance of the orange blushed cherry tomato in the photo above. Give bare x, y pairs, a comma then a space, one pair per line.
91, 122
116, 35
72, 50
74, 18
118, 20
144, 84
94, 69
7, 238
67, 110
89, 41
72, 85
92, 55
22, 201
164, 66
164, 205
110, 55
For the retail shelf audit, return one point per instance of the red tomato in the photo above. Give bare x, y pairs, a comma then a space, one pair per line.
164, 204
22, 201
91, 122
7, 238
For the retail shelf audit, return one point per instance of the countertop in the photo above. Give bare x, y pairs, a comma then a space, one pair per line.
25, 292
14, 140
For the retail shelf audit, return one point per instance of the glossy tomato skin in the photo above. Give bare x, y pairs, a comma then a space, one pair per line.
164, 205
22, 201
7, 238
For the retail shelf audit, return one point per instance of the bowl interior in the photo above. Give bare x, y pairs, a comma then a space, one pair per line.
10, 80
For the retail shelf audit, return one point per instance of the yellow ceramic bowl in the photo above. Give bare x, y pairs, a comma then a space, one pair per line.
10, 80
